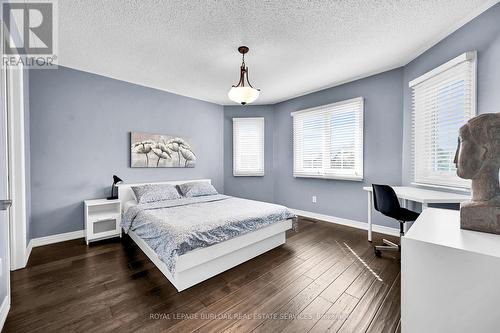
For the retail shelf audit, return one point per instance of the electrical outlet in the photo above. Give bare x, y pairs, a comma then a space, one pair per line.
314, 199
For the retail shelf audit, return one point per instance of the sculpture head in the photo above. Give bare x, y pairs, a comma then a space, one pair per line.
478, 146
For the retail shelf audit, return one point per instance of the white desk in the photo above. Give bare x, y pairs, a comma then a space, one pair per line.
407, 193
449, 276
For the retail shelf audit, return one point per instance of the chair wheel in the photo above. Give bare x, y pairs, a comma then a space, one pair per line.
378, 253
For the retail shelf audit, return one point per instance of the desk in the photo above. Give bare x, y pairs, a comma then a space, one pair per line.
407, 193
449, 276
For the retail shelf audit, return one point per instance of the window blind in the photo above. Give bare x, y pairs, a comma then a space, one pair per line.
248, 146
328, 141
442, 101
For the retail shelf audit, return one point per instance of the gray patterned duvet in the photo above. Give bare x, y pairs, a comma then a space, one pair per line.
174, 227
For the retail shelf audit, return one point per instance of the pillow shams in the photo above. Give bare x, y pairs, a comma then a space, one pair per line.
155, 192
197, 189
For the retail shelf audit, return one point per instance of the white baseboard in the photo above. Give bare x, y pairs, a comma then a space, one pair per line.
4, 311
28, 252
41, 241
35, 242
350, 223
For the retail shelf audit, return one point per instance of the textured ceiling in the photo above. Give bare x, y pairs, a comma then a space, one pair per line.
189, 47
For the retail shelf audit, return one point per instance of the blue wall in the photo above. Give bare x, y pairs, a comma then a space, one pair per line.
382, 148
257, 188
80, 127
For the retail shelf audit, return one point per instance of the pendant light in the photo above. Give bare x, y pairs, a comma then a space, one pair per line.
243, 93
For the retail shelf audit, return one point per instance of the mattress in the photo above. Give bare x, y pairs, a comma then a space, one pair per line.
174, 227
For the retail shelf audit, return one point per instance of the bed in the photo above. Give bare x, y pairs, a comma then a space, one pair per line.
213, 251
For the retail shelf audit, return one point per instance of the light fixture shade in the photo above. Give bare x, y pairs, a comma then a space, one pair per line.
243, 92
243, 95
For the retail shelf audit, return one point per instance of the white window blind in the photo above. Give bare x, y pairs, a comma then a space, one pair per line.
328, 141
442, 101
248, 146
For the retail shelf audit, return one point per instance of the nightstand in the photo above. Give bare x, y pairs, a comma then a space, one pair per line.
102, 219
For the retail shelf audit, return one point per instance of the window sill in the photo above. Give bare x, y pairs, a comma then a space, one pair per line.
350, 178
443, 187
249, 175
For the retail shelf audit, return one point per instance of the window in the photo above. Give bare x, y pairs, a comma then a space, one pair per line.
328, 141
442, 101
248, 146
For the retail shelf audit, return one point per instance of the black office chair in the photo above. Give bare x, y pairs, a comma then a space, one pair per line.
386, 202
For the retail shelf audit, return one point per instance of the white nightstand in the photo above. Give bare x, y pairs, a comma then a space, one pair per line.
102, 219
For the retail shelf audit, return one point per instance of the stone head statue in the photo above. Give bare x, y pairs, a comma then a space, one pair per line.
478, 155
478, 158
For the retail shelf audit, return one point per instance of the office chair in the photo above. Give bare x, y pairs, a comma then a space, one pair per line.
387, 203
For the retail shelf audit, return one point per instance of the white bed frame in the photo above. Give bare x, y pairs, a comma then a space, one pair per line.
203, 263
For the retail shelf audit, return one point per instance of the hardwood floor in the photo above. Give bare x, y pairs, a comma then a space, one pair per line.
324, 279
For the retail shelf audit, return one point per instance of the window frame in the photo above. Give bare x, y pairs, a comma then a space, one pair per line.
327, 173
260, 121
449, 183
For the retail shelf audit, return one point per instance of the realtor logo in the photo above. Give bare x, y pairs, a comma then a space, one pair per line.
29, 33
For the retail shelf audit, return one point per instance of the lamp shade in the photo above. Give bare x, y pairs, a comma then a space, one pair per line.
243, 95
116, 179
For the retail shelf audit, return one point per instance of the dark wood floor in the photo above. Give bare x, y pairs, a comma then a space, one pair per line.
325, 278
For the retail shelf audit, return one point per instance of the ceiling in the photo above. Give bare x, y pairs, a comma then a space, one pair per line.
296, 46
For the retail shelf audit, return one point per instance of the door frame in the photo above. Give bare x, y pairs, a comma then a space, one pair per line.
5, 304
19, 253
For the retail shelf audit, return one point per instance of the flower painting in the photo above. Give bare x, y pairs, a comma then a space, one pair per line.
160, 151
